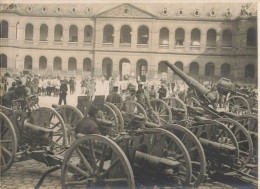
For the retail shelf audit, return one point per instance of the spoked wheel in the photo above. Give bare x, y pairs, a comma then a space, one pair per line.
178, 107
118, 114
250, 122
160, 145
95, 161
237, 105
108, 114
243, 138
153, 117
134, 108
50, 118
195, 150
163, 110
219, 144
71, 117
8, 143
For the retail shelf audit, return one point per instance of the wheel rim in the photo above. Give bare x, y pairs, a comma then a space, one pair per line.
195, 150
215, 131
243, 139
50, 118
163, 110
8, 143
109, 115
134, 108
178, 107
71, 117
237, 105
95, 160
163, 144
118, 114
153, 117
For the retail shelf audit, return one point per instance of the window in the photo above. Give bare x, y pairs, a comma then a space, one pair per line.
227, 38
4, 29
179, 37
164, 36
43, 32
72, 64
73, 34
108, 34
28, 62
57, 64
194, 69
125, 34
211, 38
225, 70
252, 37
87, 65
143, 35
88, 34
42, 63
3, 61
58, 33
250, 71
29, 32
209, 69
195, 37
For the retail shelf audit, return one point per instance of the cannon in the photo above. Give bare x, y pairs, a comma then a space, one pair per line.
200, 106
238, 102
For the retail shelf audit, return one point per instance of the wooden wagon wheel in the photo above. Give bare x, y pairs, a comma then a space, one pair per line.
153, 117
195, 150
211, 131
160, 143
96, 161
163, 110
178, 107
237, 105
50, 118
243, 138
118, 114
108, 114
71, 117
250, 122
8, 143
132, 107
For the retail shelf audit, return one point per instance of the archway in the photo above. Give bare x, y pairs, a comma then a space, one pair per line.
143, 35
57, 64
225, 70
107, 66
3, 61
194, 69
141, 70
72, 64
162, 70
29, 32
42, 63
4, 29
250, 71
108, 34
124, 69
58, 33
209, 69
28, 63
86, 65
44, 32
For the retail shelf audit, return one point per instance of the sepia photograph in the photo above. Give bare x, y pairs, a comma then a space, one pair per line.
128, 94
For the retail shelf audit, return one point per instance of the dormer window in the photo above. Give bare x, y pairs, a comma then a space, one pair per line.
196, 12
29, 8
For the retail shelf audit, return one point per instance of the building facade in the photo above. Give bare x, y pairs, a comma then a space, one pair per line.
207, 40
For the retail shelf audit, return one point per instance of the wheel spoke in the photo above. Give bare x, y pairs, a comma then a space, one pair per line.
3, 159
6, 151
116, 180
111, 166
102, 159
5, 141
93, 156
55, 125
85, 162
78, 170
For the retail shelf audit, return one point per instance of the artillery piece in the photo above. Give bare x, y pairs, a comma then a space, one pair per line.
200, 106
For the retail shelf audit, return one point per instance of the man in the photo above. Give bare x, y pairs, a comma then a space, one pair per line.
63, 92
111, 85
162, 92
20, 90
35, 84
152, 92
115, 98
13, 87
72, 85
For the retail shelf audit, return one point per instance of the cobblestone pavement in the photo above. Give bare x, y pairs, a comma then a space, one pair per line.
26, 174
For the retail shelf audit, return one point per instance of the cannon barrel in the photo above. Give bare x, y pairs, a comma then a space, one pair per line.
192, 83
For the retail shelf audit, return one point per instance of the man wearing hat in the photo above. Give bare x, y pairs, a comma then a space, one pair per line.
115, 98
63, 92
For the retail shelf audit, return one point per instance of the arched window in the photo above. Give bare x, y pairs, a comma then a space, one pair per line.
107, 66
44, 32
227, 38
108, 34
73, 34
28, 62
179, 37
141, 70
164, 37
251, 37
194, 69
211, 38
124, 69
225, 70
86, 65
42, 63
162, 67
29, 32
143, 35
250, 71
58, 33
88, 34
195, 37
4, 29
3, 61
125, 34
179, 65
209, 69
72, 64
57, 64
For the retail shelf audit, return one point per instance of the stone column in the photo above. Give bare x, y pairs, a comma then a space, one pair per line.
218, 42
134, 39
51, 29
36, 34
203, 41
187, 41
171, 39
116, 38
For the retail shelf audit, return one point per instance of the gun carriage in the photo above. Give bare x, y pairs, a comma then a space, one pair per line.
239, 125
